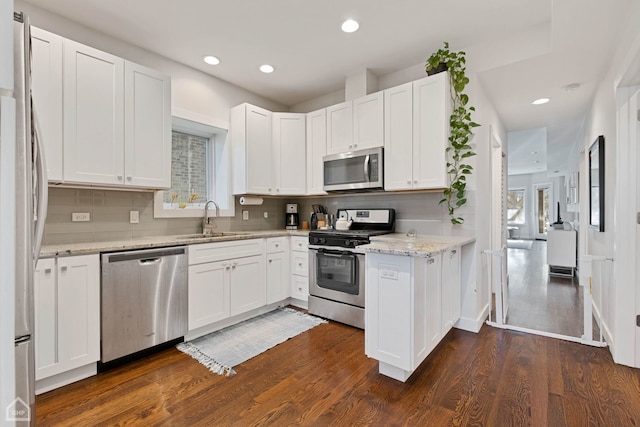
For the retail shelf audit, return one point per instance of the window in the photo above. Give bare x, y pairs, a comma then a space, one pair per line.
515, 206
200, 171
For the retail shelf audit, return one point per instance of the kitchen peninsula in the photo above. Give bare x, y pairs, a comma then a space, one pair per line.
413, 297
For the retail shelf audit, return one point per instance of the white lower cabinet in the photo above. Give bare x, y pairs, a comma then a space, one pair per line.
450, 289
403, 315
225, 279
278, 288
299, 269
67, 314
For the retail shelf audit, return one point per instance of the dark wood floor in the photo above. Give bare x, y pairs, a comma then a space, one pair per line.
539, 301
322, 378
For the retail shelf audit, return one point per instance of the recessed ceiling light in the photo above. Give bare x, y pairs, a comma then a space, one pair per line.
540, 101
211, 60
350, 26
266, 68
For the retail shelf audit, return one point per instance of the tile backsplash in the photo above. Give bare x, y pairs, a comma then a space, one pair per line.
109, 211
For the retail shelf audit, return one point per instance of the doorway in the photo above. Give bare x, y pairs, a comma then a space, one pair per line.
543, 211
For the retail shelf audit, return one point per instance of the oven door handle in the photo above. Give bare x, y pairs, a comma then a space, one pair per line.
337, 254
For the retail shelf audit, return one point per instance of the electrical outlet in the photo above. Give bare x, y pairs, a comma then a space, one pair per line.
134, 217
80, 216
245, 215
266, 215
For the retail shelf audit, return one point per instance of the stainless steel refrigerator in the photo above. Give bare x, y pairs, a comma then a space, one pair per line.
24, 204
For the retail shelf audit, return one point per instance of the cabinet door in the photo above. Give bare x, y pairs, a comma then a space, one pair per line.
398, 140
248, 288
45, 314
278, 287
316, 150
340, 128
300, 263
289, 154
93, 115
446, 293
208, 293
300, 287
147, 111
368, 121
431, 111
259, 152
46, 87
427, 306
78, 310
455, 285
388, 314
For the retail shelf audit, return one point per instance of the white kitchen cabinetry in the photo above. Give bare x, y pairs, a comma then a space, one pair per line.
104, 121
93, 100
416, 134
403, 316
225, 279
278, 286
431, 111
316, 150
67, 314
147, 127
252, 152
299, 270
46, 87
289, 154
451, 303
356, 125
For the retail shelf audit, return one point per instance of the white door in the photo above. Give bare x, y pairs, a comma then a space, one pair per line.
398, 138
289, 153
543, 209
635, 135
208, 293
259, 163
248, 285
316, 150
340, 128
368, 121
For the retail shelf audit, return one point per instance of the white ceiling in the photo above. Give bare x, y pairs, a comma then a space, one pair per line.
525, 49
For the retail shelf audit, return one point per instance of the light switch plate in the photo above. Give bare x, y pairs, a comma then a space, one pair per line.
134, 217
266, 215
245, 215
80, 216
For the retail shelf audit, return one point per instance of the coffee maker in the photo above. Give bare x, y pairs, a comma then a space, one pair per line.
292, 218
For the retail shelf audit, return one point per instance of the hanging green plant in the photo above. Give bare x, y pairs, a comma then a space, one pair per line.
461, 127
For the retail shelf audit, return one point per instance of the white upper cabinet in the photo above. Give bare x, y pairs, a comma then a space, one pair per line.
316, 150
46, 87
289, 154
416, 126
356, 125
147, 125
93, 115
431, 111
398, 143
103, 120
368, 121
340, 128
252, 150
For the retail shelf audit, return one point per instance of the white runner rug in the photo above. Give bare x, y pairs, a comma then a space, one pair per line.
220, 351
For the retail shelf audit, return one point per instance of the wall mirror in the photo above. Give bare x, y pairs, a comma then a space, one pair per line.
596, 184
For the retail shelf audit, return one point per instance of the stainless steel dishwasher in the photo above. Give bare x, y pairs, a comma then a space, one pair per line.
144, 300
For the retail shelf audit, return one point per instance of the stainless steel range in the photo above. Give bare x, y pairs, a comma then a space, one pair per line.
336, 266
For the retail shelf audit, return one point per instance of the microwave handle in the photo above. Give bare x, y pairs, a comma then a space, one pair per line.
367, 161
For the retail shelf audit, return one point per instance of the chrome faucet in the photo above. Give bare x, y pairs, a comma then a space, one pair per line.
207, 227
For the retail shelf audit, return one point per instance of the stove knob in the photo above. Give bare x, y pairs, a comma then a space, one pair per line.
348, 243
322, 240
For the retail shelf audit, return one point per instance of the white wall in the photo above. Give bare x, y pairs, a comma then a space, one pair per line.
617, 284
192, 91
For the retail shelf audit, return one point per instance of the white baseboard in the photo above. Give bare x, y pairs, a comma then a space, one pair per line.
473, 325
51, 383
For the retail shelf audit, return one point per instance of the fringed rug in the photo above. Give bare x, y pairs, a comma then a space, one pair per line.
220, 351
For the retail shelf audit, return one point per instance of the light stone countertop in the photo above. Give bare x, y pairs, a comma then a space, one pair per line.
50, 251
419, 246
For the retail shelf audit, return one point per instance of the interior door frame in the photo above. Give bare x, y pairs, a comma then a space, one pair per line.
536, 187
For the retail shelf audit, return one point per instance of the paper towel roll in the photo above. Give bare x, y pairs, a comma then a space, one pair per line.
248, 200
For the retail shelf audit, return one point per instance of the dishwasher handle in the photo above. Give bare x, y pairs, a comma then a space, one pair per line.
144, 256
149, 261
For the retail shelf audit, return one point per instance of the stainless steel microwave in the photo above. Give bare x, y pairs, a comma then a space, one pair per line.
354, 170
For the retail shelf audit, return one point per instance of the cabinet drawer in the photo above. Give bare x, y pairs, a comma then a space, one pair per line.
300, 263
299, 243
210, 252
276, 245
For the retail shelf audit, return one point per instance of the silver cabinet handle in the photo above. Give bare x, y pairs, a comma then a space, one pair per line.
47, 271
270, 260
119, 177
63, 268
453, 252
431, 261
129, 178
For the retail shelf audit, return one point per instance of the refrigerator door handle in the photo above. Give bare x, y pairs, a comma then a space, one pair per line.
41, 193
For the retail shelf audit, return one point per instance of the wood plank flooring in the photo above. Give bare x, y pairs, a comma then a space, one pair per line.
539, 301
322, 378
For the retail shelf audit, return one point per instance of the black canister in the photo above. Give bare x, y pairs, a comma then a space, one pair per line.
314, 221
